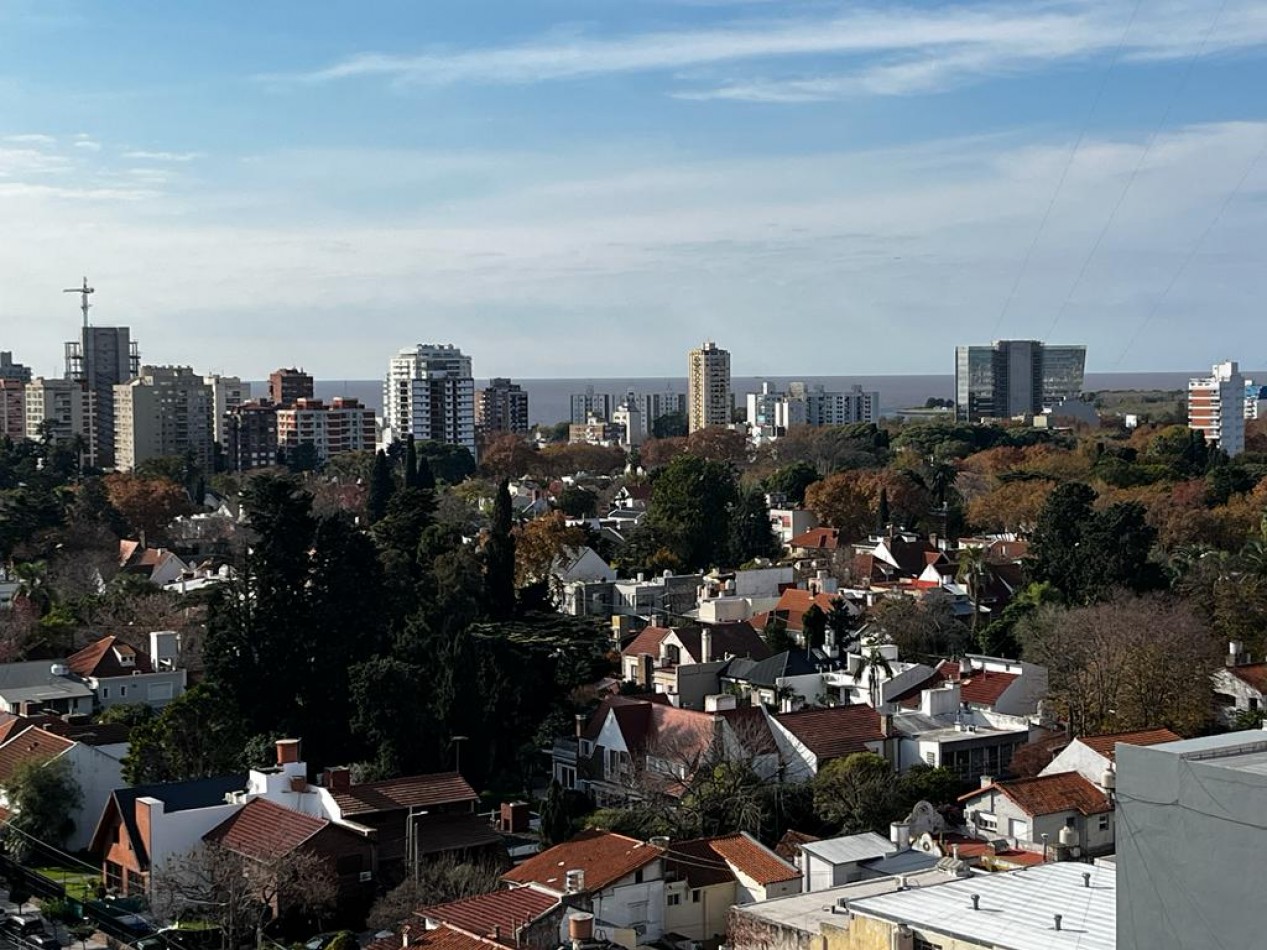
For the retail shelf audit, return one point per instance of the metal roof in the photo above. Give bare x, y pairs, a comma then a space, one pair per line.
1017, 908
850, 849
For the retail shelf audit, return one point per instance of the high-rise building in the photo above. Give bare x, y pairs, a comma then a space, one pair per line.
12, 409
772, 413
103, 358
62, 410
11, 371
227, 393
342, 426
1255, 401
165, 411
590, 404
1216, 407
502, 406
708, 387
1015, 377
630, 418
250, 432
430, 394
286, 386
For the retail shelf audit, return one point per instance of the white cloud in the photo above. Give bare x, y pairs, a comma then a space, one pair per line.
143, 156
538, 271
31, 138
88, 145
901, 49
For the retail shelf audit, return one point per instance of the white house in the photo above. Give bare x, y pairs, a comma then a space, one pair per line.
119, 674
837, 861
1061, 814
1240, 686
945, 732
1093, 756
43, 685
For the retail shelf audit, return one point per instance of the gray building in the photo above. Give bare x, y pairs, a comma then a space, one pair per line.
501, 406
101, 359
165, 411
15, 372
1192, 832
1015, 377
589, 403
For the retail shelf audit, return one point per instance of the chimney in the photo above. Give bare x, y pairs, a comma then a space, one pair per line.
987, 781
976, 901
338, 779
1086, 878
287, 751
580, 725
1058, 919
705, 645
900, 835
965, 667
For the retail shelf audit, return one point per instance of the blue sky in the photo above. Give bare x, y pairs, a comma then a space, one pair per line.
590, 187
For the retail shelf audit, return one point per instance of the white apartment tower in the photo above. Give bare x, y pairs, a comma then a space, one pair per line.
709, 400
62, 409
1216, 407
227, 393
430, 394
166, 410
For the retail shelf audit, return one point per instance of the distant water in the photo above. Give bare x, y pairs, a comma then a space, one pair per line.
549, 400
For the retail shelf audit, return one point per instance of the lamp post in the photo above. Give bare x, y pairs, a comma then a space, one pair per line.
457, 752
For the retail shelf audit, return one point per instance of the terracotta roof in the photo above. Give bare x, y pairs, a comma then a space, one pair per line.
789, 846
1050, 794
648, 641
442, 938
817, 539
413, 791
495, 916
11, 724
727, 639
982, 688
126, 550
695, 862
754, 860
1251, 674
1106, 745
793, 603
30, 745
261, 829
99, 659
604, 856
461, 832
752, 729
834, 732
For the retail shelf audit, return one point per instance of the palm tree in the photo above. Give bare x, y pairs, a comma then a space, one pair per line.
873, 665
973, 573
839, 621
32, 577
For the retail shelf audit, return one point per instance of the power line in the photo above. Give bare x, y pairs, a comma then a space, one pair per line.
1143, 157
1060, 184
1193, 251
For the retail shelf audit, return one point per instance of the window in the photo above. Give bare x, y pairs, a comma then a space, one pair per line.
638, 876
587, 747
105, 692
1253, 703
930, 758
674, 900
1104, 822
695, 896
986, 821
123, 691
159, 692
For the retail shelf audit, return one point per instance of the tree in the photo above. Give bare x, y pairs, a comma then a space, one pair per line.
410, 476
198, 735
922, 629
148, 504
561, 813
718, 444
857, 793
43, 799
540, 543
577, 502
877, 669
499, 558
973, 572
884, 515
671, 425
381, 488
441, 879
448, 463
814, 627
509, 455
690, 511
777, 637
1131, 662
792, 480
751, 533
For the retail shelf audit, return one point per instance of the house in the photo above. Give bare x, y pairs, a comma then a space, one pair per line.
789, 523
1239, 686
1008, 687
1061, 814
159, 565
705, 877
1093, 756
37, 686
794, 602
665, 658
785, 681
815, 543
117, 673
618, 879
97, 769
145, 826
837, 861
632, 497
581, 564
633, 747
518, 918
943, 732
668, 595
268, 833
808, 739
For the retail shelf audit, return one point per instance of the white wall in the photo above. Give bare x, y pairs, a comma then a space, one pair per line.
148, 689
1076, 757
176, 834
622, 904
98, 775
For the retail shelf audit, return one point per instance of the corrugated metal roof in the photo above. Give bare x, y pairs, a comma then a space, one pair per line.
850, 849
1016, 911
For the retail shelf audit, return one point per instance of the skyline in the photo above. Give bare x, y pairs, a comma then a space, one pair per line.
248, 188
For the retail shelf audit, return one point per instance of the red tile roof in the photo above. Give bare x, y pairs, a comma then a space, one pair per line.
413, 791
789, 846
817, 539
11, 725
1106, 745
604, 856
496, 916
981, 688
1251, 674
753, 859
648, 641
793, 603
261, 829
1051, 794
834, 732
30, 745
695, 862
442, 938
99, 659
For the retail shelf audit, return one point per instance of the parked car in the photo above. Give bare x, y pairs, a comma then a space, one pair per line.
23, 925
41, 941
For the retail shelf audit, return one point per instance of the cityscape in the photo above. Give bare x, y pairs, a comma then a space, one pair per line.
683, 475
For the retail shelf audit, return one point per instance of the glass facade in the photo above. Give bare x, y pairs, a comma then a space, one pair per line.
1015, 377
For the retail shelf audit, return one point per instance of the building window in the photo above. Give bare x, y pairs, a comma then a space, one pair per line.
986, 821
1253, 702
930, 758
695, 896
638, 876
105, 692
1104, 822
674, 900
123, 691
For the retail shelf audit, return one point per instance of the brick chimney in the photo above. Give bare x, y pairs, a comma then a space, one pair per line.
287, 751
337, 779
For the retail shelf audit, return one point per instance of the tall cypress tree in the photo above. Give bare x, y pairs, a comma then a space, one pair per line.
381, 488
499, 558
411, 464
883, 516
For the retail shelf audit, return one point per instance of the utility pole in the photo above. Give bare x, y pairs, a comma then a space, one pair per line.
83, 292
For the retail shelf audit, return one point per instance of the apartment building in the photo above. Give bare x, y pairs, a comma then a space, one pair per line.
430, 394
103, 358
227, 393
62, 410
251, 436
1216, 407
709, 398
1015, 377
11, 371
501, 406
166, 410
12, 409
287, 386
342, 426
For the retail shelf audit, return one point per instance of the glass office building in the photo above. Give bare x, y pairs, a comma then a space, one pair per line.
1015, 377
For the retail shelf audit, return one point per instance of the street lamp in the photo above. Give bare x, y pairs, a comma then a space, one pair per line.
457, 752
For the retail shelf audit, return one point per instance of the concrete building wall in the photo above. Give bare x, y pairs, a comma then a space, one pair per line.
151, 689
98, 776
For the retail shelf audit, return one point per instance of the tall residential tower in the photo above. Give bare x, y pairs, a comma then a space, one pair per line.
430, 394
709, 401
1216, 407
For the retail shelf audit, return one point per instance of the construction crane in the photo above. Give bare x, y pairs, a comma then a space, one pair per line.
83, 292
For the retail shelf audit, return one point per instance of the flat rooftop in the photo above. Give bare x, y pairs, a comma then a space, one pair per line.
808, 912
1244, 751
1017, 908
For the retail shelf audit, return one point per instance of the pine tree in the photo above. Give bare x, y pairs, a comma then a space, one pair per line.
381, 488
499, 558
411, 464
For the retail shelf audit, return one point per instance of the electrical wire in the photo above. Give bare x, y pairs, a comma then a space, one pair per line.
1060, 184
1143, 157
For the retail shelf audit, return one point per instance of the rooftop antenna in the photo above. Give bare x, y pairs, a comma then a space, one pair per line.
83, 292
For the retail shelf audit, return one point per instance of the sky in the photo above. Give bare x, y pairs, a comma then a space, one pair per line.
590, 187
